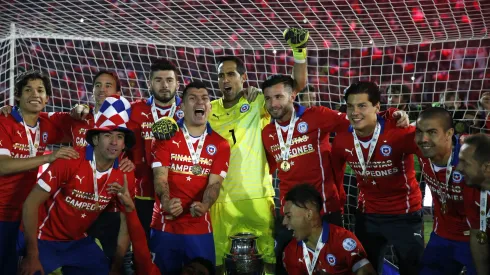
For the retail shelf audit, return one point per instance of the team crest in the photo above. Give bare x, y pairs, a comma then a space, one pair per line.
385, 150
45, 137
179, 114
349, 244
244, 108
211, 149
331, 259
457, 177
302, 127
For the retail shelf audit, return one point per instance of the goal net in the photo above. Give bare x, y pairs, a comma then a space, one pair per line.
438, 50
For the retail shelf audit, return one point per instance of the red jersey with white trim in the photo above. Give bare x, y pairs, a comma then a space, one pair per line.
341, 254
453, 224
73, 128
472, 209
141, 121
14, 188
71, 208
184, 185
310, 162
390, 186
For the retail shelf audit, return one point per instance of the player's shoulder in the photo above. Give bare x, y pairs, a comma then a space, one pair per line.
139, 104
8, 122
216, 103
343, 238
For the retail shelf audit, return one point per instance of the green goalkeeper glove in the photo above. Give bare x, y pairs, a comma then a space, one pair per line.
164, 128
297, 39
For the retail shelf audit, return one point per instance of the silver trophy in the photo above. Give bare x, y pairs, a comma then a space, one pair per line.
244, 258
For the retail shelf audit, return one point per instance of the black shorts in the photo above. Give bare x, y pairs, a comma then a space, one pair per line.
404, 232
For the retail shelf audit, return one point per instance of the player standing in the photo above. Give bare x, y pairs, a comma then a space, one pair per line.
163, 102
24, 136
320, 247
448, 249
474, 164
188, 171
71, 194
389, 201
246, 202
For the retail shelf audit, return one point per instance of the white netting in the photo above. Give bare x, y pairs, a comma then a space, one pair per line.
432, 46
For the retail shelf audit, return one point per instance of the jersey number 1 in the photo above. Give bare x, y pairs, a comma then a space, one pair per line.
232, 131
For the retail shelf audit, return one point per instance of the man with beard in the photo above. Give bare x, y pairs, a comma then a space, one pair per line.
474, 164
163, 102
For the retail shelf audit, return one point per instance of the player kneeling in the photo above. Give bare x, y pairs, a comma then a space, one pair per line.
71, 194
320, 247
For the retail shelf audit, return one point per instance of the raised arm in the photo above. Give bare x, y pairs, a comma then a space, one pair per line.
297, 40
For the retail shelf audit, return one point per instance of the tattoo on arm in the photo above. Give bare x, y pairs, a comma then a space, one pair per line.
160, 176
212, 191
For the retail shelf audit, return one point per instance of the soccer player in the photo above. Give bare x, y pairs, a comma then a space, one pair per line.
320, 247
474, 164
188, 171
389, 200
448, 249
163, 102
246, 201
24, 136
71, 194
297, 143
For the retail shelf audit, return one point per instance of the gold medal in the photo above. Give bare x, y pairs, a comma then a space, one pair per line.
482, 237
285, 166
444, 208
97, 205
196, 169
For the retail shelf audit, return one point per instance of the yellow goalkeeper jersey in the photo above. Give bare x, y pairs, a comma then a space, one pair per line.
248, 172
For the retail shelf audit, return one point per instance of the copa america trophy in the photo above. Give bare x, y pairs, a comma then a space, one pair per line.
244, 258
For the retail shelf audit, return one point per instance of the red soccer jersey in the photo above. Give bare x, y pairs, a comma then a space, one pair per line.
472, 209
174, 154
391, 187
73, 128
71, 208
452, 225
141, 121
309, 164
341, 254
14, 188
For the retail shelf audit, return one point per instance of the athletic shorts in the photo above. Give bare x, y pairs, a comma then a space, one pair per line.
254, 216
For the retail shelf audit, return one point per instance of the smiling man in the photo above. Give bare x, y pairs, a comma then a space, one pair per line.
70, 195
389, 200
24, 136
188, 171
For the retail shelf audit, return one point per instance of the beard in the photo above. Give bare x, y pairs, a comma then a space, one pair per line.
163, 98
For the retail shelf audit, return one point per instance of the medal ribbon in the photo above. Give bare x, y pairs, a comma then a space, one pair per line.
285, 147
32, 146
155, 114
96, 186
372, 146
449, 169
483, 210
195, 155
310, 264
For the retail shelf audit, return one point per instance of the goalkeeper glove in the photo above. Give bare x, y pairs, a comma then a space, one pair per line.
164, 128
297, 39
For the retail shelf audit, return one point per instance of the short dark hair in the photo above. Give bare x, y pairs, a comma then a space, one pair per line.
204, 262
272, 80
481, 142
399, 89
194, 84
162, 64
304, 193
440, 113
111, 73
240, 66
22, 80
364, 87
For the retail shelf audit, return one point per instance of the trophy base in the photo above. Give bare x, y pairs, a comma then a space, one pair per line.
240, 265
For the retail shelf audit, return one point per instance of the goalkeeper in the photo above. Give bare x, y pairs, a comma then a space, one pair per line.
246, 199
